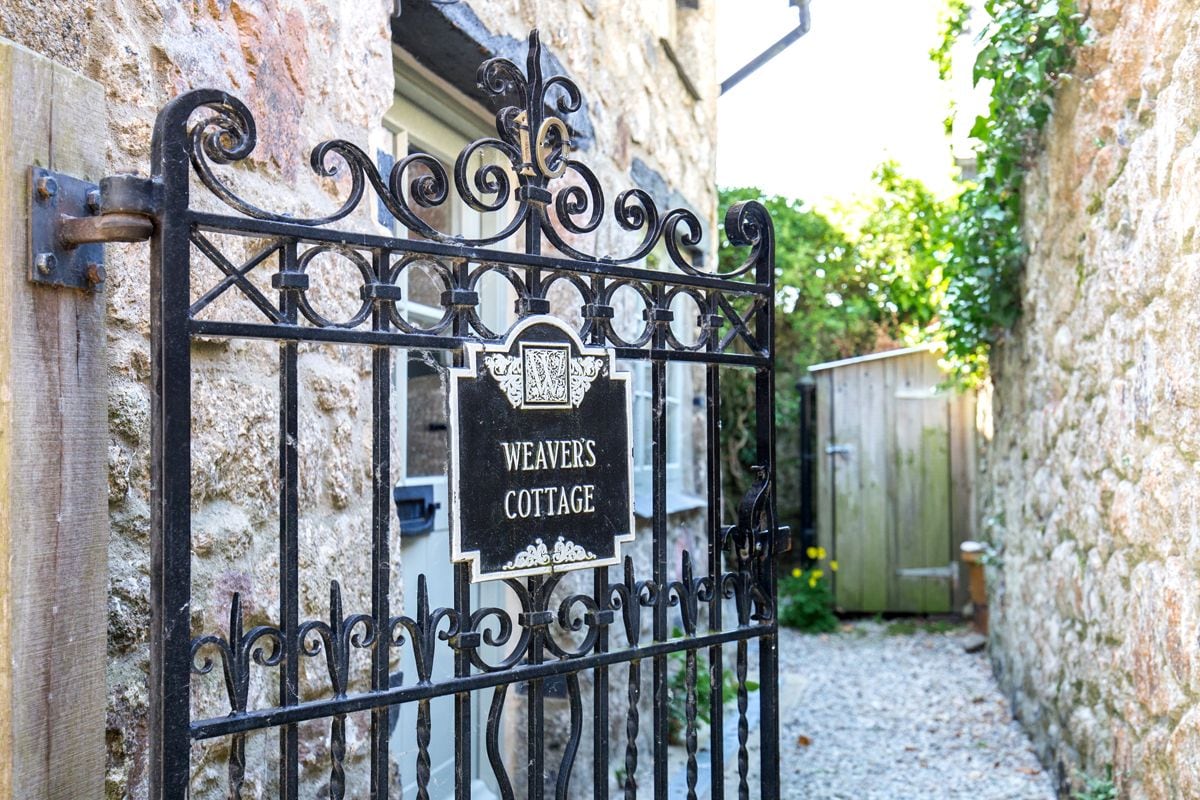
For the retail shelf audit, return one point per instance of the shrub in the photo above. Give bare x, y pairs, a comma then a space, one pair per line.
806, 598
1096, 789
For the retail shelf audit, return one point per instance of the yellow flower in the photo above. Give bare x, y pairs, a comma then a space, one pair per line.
812, 582
796, 572
812, 552
821, 552
817, 573
833, 566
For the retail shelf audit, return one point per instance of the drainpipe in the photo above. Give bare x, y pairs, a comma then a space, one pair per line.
773, 50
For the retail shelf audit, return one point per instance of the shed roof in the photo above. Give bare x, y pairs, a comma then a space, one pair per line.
845, 362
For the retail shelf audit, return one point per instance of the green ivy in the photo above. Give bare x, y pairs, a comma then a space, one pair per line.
952, 23
1097, 789
1027, 47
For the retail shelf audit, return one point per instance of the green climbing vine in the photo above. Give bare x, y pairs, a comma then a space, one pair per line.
952, 23
1026, 48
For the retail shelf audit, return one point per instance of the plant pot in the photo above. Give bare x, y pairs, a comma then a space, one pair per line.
972, 555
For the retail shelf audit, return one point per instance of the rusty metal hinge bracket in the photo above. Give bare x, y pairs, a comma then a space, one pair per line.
70, 219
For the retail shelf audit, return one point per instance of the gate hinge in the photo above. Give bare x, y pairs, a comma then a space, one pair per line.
69, 219
946, 573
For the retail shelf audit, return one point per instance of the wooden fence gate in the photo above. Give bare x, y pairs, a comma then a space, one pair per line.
896, 457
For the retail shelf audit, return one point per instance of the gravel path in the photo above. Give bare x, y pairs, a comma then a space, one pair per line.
872, 716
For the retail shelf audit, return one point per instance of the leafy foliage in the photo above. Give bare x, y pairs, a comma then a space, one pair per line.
806, 598
901, 244
823, 310
1027, 46
952, 23
1096, 789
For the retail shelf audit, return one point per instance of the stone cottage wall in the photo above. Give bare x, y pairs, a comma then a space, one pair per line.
1094, 468
309, 70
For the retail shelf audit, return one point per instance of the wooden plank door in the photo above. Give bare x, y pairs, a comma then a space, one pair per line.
854, 461
920, 542
893, 484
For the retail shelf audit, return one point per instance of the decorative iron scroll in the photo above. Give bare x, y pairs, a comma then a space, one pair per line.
530, 175
567, 628
551, 627
560, 194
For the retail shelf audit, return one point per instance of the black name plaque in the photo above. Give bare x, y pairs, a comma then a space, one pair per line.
540, 454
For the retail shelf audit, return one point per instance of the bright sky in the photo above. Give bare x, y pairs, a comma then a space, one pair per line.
859, 88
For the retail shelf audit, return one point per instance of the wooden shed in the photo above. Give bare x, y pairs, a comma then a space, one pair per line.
895, 481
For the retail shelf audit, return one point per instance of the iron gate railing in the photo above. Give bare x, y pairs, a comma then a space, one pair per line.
202, 130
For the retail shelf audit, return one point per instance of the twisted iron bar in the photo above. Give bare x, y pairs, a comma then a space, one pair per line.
237, 767
743, 704
424, 764
237, 650
492, 743
632, 722
563, 784
629, 597
337, 638
337, 757
689, 679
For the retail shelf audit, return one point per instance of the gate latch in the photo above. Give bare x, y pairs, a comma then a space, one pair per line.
69, 219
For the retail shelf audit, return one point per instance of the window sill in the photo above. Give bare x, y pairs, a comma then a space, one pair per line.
677, 503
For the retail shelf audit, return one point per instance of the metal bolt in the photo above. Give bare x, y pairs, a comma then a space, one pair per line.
94, 274
47, 187
93, 201
45, 263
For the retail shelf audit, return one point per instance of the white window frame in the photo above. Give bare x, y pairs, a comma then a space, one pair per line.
679, 400
426, 117
677, 403
429, 115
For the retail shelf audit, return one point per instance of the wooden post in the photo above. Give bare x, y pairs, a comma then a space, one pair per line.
53, 471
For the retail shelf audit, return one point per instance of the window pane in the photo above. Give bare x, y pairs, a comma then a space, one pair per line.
674, 426
428, 438
422, 288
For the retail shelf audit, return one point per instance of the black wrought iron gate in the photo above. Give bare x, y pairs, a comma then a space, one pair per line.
719, 600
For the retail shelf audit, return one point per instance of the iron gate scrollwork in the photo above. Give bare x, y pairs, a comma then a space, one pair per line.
558, 200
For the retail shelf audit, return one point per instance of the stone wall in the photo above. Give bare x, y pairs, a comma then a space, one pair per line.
1093, 471
309, 71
